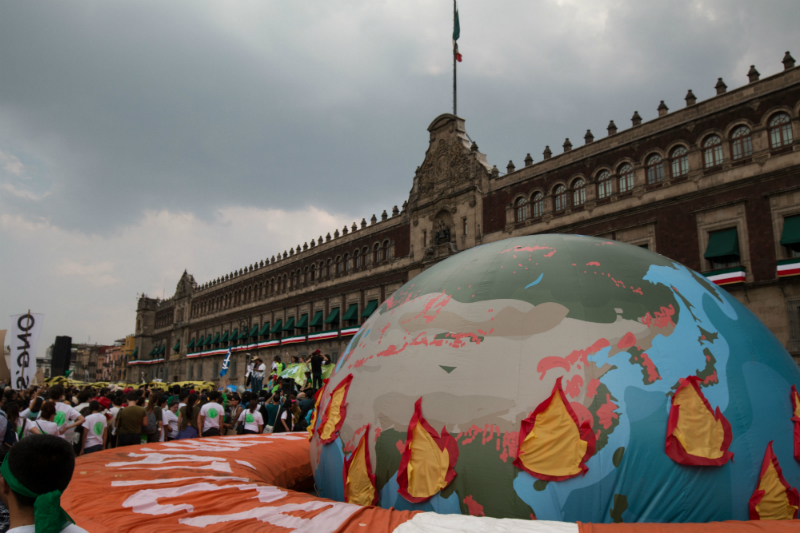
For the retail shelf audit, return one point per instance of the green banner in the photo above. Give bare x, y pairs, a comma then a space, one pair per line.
298, 372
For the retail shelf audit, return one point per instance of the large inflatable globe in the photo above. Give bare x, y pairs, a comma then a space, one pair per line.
564, 378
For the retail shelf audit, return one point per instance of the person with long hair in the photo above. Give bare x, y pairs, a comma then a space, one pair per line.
252, 419
45, 425
14, 421
187, 419
283, 422
154, 417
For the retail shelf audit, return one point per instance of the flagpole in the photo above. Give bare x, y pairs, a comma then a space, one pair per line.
455, 101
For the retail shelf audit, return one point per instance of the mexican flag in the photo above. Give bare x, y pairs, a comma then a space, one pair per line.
456, 32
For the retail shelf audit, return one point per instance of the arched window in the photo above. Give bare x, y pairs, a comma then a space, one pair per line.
356, 260
604, 184
625, 178
313, 272
712, 151
680, 161
305, 275
328, 270
780, 131
365, 255
537, 204
560, 198
522, 209
741, 143
345, 262
385, 252
376, 250
655, 169
578, 192
338, 262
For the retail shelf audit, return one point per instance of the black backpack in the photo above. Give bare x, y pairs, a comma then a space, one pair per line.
10, 436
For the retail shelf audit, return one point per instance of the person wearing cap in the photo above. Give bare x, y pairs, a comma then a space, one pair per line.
34, 474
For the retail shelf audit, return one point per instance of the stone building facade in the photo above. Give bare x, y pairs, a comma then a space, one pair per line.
714, 185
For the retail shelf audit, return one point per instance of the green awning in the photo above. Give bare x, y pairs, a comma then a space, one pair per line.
208, 340
371, 306
289, 325
277, 327
177, 346
243, 334
216, 339
190, 345
264, 329
224, 337
317, 320
153, 351
303, 324
161, 349
253, 331
722, 244
199, 344
333, 316
352, 312
134, 354
791, 231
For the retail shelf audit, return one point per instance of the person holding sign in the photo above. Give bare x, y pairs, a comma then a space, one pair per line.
211, 416
95, 429
252, 419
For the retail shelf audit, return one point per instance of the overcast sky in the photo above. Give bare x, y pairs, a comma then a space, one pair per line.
142, 138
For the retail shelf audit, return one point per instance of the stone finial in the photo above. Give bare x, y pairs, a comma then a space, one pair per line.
384, 216
272, 259
373, 220
328, 237
354, 228
241, 272
319, 241
291, 251
297, 250
547, 154
662, 109
262, 264
363, 223
788, 61
720, 86
588, 137
612, 128
691, 99
336, 234
395, 211
474, 146
567, 145
313, 243
528, 160
510, 167
285, 255
305, 246
636, 119
345, 231
753, 74
405, 205
495, 172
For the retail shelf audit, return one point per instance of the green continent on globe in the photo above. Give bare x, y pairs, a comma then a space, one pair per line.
98, 428
213, 413
61, 418
249, 418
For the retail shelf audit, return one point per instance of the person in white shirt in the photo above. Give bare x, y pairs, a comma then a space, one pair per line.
95, 429
257, 380
45, 424
170, 420
252, 419
66, 418
211, 416
40, 466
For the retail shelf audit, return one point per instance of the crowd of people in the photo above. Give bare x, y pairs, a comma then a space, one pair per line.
40, 425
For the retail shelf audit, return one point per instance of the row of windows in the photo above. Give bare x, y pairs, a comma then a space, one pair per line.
342, 264
780, 136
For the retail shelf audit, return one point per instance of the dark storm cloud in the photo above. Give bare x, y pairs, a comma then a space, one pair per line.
119, 107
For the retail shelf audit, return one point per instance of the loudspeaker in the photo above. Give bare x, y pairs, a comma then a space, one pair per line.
62, 350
